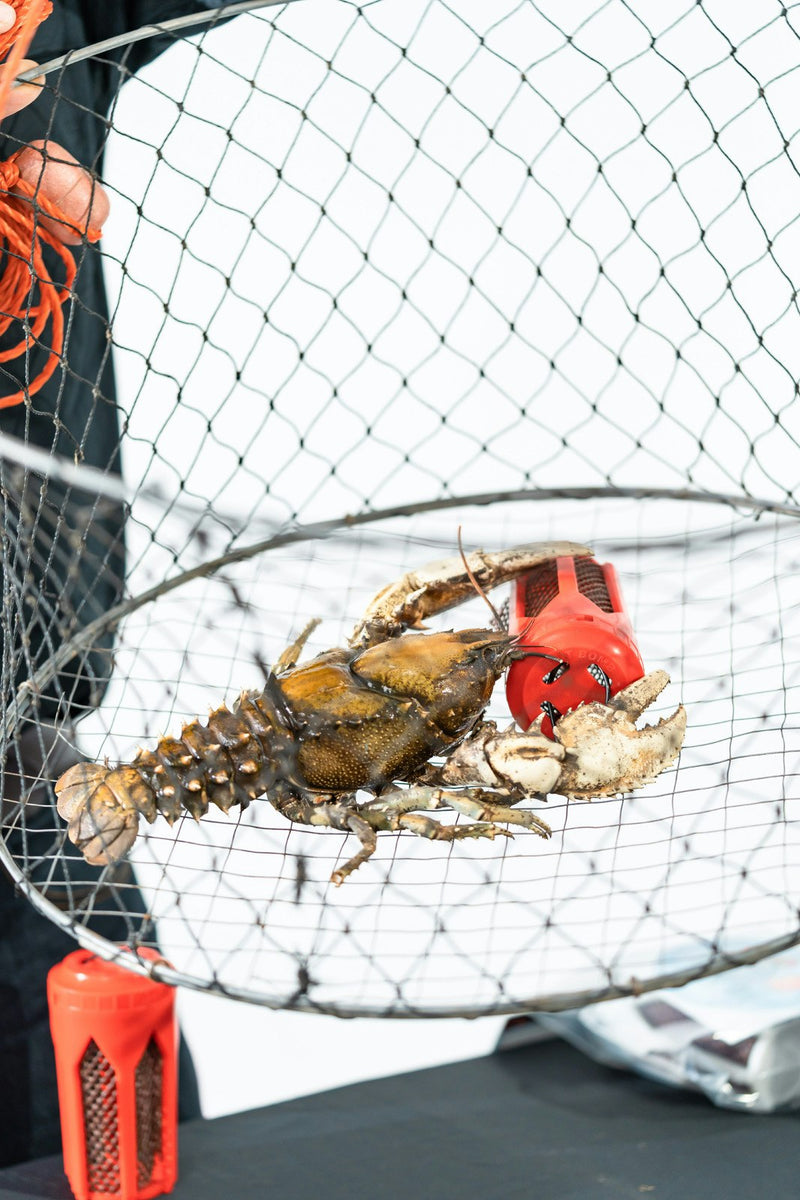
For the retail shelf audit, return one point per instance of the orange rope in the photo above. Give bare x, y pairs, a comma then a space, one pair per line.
16, 40
30, 13
21, 233
25, 271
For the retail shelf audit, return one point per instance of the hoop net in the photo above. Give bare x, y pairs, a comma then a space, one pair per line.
373, 273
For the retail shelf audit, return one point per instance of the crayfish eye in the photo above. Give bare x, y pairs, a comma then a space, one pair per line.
496, 657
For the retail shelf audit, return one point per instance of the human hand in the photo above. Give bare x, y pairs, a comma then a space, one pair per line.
22, 95
53, 171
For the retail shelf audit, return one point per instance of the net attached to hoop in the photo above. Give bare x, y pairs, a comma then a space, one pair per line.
365, 265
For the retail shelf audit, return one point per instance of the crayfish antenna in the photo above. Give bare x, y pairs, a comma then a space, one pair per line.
438, 586
497, 620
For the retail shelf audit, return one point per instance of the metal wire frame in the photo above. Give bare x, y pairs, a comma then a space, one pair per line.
106, 486
717, 962
174, 25
320, 529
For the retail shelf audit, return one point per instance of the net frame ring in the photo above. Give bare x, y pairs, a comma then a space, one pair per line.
571, 615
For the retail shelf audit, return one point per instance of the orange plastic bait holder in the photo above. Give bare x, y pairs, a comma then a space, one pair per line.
570, 612
115, 1037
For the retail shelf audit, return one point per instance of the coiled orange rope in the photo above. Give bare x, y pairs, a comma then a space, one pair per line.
28, 293
29, 14
25, 273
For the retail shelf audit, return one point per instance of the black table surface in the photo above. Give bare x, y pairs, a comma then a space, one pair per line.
540, 1122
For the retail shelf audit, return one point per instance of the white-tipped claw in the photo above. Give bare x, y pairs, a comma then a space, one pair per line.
605, 752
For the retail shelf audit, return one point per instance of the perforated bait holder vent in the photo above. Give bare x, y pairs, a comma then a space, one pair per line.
591, 580
148, 1110
101, 1125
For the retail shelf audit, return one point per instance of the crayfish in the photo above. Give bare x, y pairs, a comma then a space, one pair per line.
368, 719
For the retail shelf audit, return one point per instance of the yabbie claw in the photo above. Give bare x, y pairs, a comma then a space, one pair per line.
598, 751
605, 753
530, 761
406, 603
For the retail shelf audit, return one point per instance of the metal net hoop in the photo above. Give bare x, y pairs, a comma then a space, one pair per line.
421, 267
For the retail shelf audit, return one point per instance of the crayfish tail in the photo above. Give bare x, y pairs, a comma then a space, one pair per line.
232, 758
102, 806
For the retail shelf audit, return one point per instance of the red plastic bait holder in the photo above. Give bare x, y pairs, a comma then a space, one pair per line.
115, 1038
570, 615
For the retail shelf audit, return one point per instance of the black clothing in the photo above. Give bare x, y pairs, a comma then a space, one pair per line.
62, 566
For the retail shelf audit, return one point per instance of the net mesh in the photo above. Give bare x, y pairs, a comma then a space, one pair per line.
374, 272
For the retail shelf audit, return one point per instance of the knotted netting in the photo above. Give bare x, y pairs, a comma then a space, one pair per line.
373, 273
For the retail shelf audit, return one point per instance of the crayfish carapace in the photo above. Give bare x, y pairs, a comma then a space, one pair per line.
369, 719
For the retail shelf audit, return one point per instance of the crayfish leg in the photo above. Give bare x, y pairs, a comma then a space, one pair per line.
290, 656
481, 806
332, 814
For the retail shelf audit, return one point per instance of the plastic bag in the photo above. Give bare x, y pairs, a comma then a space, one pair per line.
734, 1036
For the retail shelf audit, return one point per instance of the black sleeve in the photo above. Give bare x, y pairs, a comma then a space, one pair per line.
105, 20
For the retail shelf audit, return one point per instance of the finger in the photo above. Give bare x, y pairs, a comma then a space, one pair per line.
24, 93
7, 17
52, 170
